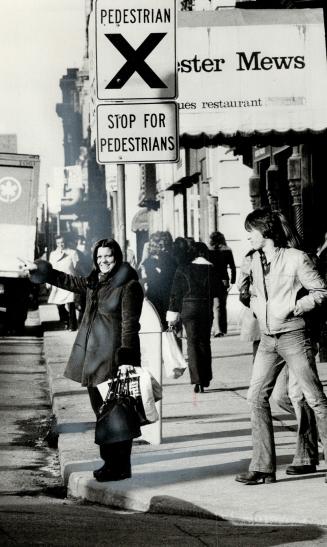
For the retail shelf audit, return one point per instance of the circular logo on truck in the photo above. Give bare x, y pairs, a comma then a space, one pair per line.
10, 189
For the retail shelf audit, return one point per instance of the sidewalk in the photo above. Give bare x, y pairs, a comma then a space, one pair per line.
206, 441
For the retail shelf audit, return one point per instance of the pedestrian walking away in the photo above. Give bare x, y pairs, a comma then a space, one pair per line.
286, 286
222, 258
108, 337
157, 272
191, 299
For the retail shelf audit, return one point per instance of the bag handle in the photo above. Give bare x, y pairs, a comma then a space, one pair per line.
120, 385
114, 388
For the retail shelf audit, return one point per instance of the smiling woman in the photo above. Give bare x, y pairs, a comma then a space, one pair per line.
107, 339
105, 259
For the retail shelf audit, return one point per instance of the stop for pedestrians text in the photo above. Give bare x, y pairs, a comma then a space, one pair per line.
127, 121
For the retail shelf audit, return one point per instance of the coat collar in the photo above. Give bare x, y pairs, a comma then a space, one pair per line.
201, 260
123, 275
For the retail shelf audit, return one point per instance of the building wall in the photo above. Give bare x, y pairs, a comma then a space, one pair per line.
230, 183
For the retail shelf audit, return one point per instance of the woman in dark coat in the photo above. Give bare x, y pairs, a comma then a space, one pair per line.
191, 299
158, 271
107, 338
222, 258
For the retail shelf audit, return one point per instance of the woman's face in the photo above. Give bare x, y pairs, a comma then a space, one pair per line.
256, 239
105, 259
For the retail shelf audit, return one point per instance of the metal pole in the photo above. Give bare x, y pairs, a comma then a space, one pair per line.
47, 233
121, 208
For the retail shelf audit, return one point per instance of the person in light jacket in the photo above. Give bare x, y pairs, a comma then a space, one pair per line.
286, 286
286, 392
64, 260
191, 299
107, 339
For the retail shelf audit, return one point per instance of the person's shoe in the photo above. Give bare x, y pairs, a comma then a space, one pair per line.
255, 477
326, 477
196, 388
97, 471
106, 475
300, 469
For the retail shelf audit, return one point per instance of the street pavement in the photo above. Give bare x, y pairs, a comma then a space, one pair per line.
206, 442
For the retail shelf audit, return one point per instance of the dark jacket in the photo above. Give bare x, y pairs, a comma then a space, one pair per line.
159, 273
193, 291
245, 280
223, 260
108, 334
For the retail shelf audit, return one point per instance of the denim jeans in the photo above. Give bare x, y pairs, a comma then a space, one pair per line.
296, 349
289, 397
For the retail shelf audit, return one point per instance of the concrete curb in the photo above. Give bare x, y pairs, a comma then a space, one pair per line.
130, 495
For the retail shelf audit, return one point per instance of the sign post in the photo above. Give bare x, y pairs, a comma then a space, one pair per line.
132, 55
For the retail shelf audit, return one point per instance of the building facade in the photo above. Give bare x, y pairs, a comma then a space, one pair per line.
213, 186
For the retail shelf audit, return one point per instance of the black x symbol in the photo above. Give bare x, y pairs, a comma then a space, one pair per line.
135, 60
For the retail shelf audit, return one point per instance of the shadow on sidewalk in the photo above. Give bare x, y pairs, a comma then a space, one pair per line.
319, 474
215, 435
152, 457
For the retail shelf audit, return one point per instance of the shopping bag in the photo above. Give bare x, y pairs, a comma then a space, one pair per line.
135, 391
249, 330
156, 388
149, 386
118, 418
172, 355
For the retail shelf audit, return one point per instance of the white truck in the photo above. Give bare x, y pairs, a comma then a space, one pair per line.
19, 181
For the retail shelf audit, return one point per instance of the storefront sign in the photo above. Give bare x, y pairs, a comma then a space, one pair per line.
252, 70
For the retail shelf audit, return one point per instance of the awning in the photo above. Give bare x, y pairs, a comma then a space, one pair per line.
251, 73
184, 182
140, 221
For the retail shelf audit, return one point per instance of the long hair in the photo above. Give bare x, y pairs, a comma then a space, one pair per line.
113, 246
292, 237
273, 225
199, 249
217, 238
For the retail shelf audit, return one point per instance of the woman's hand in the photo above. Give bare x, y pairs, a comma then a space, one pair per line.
27, 266
123, 369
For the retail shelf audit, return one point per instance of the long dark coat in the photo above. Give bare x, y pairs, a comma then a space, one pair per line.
160, 272
222, 258
192, 296
108, 334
